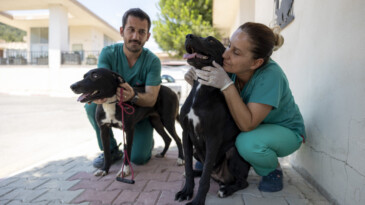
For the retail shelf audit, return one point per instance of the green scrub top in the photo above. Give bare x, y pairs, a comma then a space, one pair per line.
146, 71
269, 86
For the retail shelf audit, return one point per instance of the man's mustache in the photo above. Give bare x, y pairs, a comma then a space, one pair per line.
139, 42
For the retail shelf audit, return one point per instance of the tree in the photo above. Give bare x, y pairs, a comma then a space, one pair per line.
179, 18
11, 34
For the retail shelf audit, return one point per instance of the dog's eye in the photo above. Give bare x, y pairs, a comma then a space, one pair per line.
95, 75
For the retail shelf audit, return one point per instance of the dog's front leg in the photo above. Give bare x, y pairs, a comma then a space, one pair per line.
126, 170
204, 183
187, 192
105, 133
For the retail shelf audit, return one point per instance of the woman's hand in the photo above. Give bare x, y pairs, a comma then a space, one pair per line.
214, 76
190, 76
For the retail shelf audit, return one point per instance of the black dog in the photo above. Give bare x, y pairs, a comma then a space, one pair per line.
209, 131
102, 83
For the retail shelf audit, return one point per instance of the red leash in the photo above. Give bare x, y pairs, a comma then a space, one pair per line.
124, 107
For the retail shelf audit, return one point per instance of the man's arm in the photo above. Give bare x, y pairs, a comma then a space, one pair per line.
147, 99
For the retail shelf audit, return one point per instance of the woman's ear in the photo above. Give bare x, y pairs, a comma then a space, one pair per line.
257, 63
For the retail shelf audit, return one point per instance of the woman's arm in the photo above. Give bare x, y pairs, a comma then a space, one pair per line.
247, 117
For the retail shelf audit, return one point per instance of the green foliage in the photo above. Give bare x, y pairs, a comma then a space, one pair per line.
11, 34
179, 18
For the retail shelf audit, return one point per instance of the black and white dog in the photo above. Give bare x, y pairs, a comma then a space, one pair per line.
209, 131
102, 83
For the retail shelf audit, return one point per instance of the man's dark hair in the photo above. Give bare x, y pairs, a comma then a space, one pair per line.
136, 12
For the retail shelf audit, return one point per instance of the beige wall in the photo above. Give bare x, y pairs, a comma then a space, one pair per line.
323, 59
91, 38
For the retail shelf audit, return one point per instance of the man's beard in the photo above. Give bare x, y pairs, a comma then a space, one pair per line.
134, 48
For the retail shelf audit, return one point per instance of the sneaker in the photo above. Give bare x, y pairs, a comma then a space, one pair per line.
272, 182
198, 166
116, 155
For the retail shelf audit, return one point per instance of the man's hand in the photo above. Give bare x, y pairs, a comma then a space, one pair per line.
214, 76
190, 76
128, 92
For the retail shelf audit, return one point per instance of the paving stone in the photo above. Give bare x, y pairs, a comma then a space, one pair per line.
288, 190
174, 176
57, 184
163, 186
296, 201
251, 200
87, 184
126, 196
170, 168
4, 182
5, 190
250, 190
25, 183
82, 168
5, 201
139, 185
231, 200
152, 176
58, 202
59, 175
23, 195
168, 198
17, 202
63, 196
148, 197
83, 175
106, 197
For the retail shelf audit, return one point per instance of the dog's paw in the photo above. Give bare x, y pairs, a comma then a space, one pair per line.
126, 171
180, 162
182, 195
99, 173
159, 155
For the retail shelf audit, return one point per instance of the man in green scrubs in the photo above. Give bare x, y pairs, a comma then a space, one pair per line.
139, 67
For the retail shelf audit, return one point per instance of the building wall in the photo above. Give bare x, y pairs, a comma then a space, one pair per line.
91, 38
323, 59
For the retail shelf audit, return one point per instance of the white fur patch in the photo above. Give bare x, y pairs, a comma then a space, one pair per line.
126, 171
191, 115
110, 111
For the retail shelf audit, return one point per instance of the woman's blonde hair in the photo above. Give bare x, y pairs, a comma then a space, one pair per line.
279, 39
263, 39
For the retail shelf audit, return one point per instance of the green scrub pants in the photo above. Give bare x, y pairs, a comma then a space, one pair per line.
262, 146
142, 142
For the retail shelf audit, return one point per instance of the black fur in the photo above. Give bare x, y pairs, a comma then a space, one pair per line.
212, 140
102, 83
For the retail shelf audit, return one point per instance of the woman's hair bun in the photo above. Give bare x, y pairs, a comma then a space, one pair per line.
279, 39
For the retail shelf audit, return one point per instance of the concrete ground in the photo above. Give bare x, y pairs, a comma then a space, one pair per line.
46, 152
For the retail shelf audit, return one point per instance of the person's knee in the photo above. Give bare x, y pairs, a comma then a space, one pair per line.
140, 159
248, 148
90, 109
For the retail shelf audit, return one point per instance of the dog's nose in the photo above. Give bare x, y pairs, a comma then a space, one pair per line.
73, 86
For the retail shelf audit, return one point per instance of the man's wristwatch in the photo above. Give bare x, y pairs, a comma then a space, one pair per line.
135, 98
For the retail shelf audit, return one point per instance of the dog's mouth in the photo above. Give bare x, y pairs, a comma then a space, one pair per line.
85, 96
192, 54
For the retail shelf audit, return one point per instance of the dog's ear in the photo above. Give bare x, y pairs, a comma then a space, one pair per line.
118, 77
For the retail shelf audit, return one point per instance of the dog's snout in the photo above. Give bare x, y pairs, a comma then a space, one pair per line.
74, 86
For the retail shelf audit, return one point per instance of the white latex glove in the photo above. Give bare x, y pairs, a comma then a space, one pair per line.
190, 76
214, 76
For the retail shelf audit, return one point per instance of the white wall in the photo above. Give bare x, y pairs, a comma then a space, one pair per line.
323, 57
